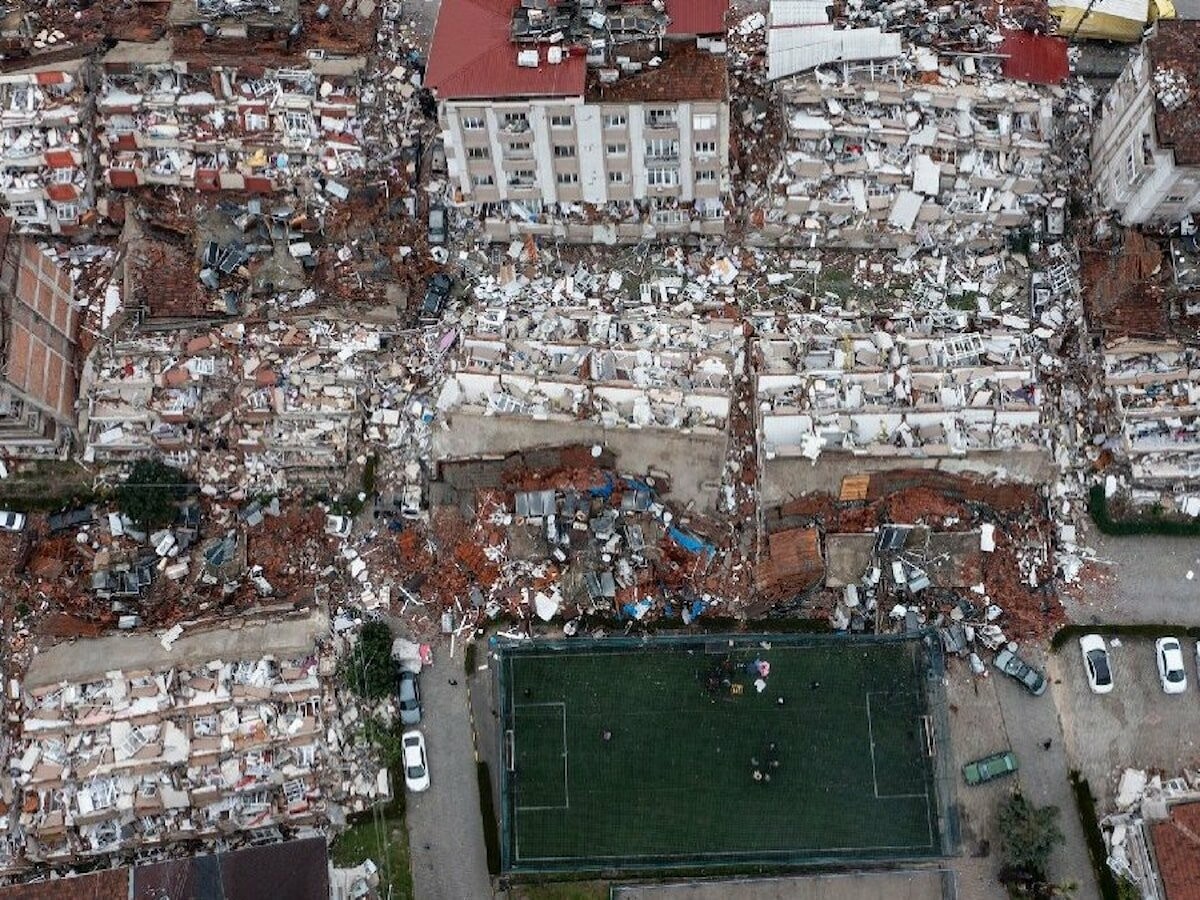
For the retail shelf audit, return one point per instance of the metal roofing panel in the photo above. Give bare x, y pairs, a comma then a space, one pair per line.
1035, 58
697, 16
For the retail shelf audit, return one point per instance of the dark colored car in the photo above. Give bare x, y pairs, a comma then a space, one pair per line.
71, 518
408, 693
436, 296
1013, 666
994, 766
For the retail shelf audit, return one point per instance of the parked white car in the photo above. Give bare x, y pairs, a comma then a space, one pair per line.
1170, 665
12, 521
416, 767
339, 526
1096, 663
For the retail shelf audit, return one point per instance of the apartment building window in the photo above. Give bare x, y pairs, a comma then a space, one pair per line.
706, 176
567, 178
477, 153
710, 209
660, 118
66, 212
516, 121
257, 121
706, 148
62, 176
662, 177
522, 177
1131, 166
662, 148
704, 121
616, 177
615, 120
472, 123
667, 217
518, 147
560, 121
617, 149
483, 180
564, 151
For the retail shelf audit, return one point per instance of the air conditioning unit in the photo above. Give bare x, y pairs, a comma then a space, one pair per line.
527, 59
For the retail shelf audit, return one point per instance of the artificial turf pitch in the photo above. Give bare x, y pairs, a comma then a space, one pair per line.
674, 784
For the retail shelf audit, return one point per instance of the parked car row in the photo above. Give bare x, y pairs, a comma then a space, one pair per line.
416, 764
1168, 657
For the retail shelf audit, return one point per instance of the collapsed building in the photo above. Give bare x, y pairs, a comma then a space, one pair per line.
836, 398
643, 383
593, 126
889, 141
46, 159
1145, 153
166, 119
278, 405
163, 751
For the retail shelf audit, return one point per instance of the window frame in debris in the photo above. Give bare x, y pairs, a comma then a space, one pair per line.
17, 205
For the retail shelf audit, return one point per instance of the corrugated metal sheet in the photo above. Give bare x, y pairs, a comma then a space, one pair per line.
1036, 58
798, 48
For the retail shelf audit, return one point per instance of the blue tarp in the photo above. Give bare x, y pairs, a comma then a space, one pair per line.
637, 610
603, 490
637, 484
691, 543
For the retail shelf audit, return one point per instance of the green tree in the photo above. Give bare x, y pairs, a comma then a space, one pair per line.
1029, 835
149, 494
368, 669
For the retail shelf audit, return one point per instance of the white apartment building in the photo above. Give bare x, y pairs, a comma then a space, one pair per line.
586, 142
1146, 145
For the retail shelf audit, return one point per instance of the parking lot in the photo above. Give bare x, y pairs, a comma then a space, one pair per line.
1137, 725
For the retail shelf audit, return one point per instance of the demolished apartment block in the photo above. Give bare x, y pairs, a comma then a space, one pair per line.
1146, 143
579, 376
276, 404
1155, 392
833, 393
167, 119
144, 759
586, 124
46, 159
39, 329
891, 144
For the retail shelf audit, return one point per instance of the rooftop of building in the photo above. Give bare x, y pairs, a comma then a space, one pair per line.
474, 54
1178, 851
1174, 47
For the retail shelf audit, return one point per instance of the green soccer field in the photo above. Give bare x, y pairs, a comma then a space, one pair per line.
662, 753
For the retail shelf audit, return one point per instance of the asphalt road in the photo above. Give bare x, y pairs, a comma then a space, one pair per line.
1140, 579
445, 832
992, 714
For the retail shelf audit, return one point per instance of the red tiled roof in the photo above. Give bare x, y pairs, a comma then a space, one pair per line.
697, 16
60, 159
1035, 58
472, 56
1177, 848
